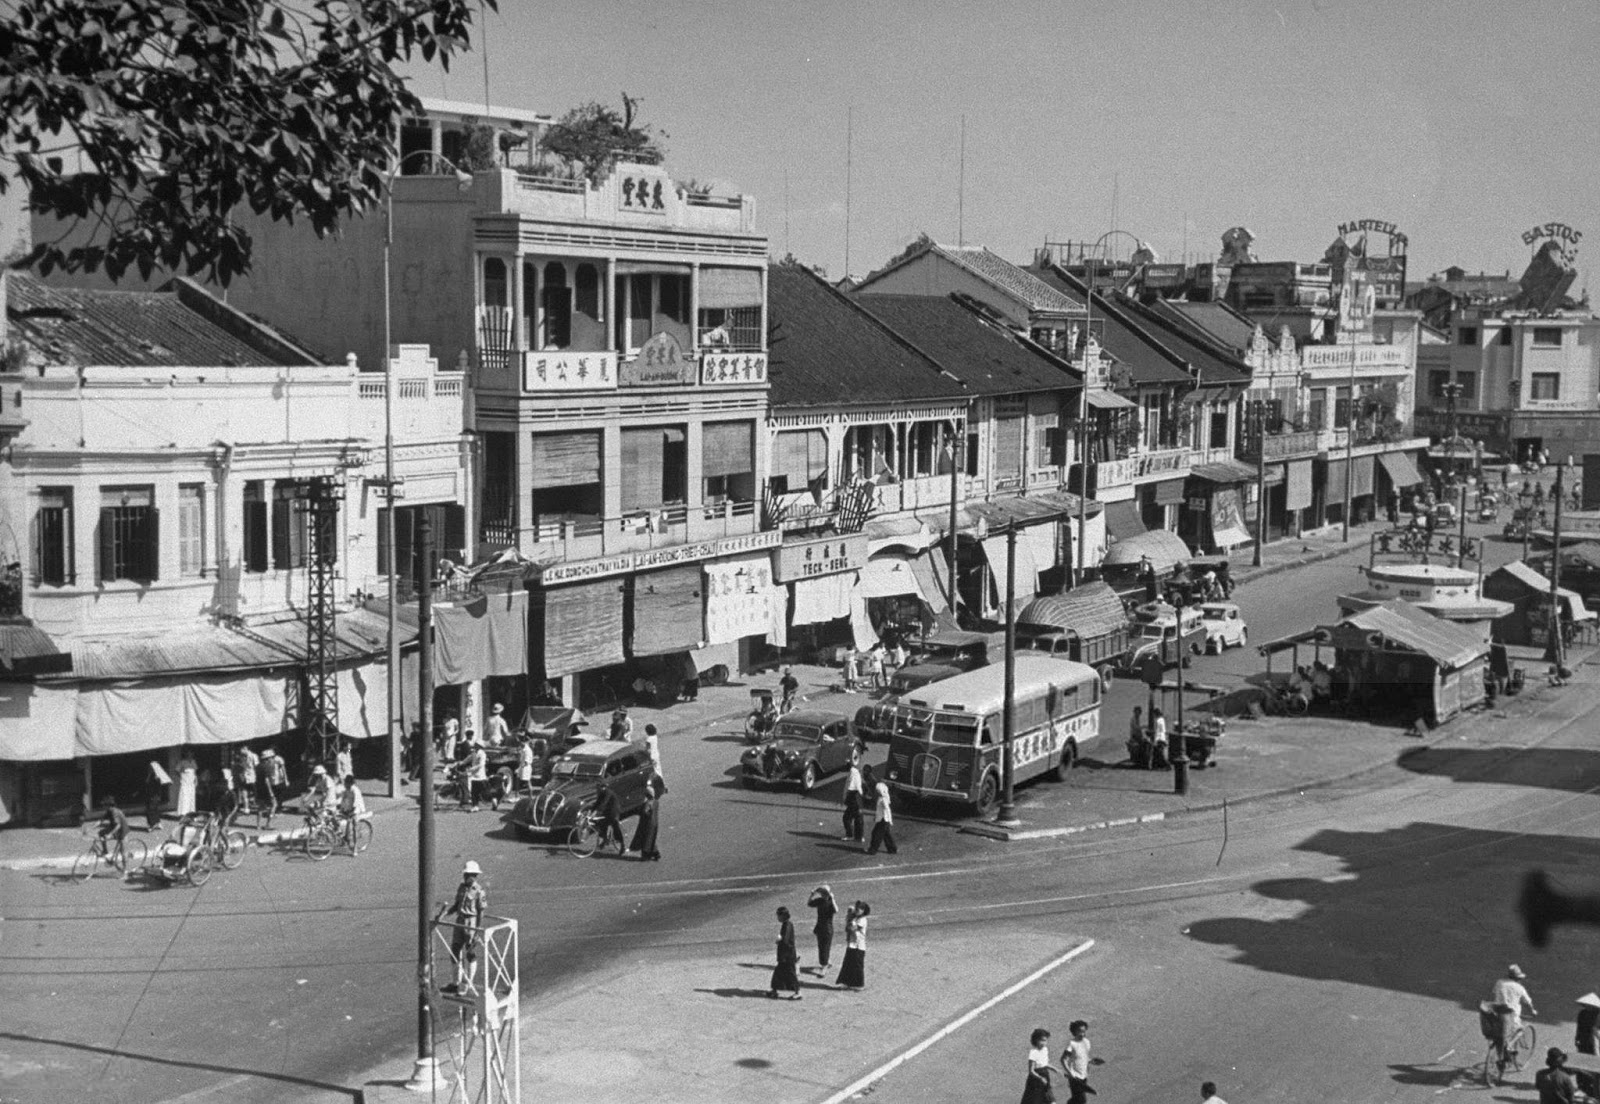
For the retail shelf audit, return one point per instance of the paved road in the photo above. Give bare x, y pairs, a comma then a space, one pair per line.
299, 973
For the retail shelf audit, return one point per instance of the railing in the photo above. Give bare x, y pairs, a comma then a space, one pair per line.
1284, 446
917, 493
579, 538
531, 183
444, 387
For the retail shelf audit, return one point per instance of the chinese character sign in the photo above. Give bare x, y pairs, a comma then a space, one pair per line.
739, 598
730, 369
643, 194
556, 371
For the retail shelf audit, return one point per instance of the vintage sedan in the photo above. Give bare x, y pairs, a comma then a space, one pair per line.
623, 765
1225, 627
807, 744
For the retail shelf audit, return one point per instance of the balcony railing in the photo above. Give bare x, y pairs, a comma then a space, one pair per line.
918, 493
582, 538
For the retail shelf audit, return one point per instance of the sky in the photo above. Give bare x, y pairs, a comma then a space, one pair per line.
1464, 123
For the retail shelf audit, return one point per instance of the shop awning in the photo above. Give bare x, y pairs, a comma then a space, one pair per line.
1447, 644
1401, 468
580, 626
824, 598
994, 548
1225, 471
28, 650
38, 721
890, 577
1227, 518
1110, 400
1297, 495
668, 611
1169, 492
1538, 583
1164, 547
1123, 521
119, 717
486, 635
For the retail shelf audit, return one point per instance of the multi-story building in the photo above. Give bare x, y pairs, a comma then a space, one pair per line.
1525, 367
160, 498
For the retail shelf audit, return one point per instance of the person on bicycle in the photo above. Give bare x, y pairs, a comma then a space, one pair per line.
352, 807
608, 815
790, 687
1509, 997
320, 791
113, 822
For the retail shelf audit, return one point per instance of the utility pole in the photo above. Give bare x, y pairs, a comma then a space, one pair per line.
1008, 807
1557, 644
958, 456
426, 1070
1260, 419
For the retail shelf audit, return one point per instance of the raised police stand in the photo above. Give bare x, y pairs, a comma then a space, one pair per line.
475, 1008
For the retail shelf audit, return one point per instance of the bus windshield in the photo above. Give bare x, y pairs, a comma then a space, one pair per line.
936, 727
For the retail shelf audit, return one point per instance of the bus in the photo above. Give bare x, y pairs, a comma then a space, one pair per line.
947, 737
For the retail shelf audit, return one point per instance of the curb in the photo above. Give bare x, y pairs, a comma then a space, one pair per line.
1254, 573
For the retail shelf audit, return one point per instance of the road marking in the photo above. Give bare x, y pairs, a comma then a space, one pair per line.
955, 1025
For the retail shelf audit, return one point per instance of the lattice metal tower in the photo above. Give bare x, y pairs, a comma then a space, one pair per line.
318, 498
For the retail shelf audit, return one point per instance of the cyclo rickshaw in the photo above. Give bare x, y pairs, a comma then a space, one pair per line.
762, 719
197, 845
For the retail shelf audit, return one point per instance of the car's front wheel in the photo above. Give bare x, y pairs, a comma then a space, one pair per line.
808, 777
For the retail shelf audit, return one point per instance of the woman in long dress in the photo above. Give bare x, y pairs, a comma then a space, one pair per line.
853, 974
188, 782
785, 975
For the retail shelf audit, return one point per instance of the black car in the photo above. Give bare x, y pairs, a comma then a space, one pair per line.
624, 765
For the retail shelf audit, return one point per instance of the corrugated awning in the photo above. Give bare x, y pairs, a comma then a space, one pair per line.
1110, 400
1401, 468
1225, 471
1447, 644
1123, 521
26, 649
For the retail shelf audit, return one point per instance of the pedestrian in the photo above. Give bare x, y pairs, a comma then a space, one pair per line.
1158, 737
1075, 1063
1555, 1084
271, 778
652, 740
245, 762
1225, 579
850, 669
646, 833
854, 827
469, 906
621, 724
827, 908
156, 781
188, 781
853, 974
1036, 1089
495, 727
343, 761
1136, 738
525, 765
478, 776
1208, 1094
875, 666
452, 734
790, 687
882, 822
608, 811
784, 975
352, 808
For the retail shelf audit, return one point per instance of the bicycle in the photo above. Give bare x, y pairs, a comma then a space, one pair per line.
328, 831
583, 838
128, 855
1516, 1054
227, 846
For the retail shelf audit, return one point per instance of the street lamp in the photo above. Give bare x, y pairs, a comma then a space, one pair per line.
425, 1073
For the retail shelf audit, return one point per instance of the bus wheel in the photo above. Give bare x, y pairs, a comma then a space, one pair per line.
1069, 759
1108, 675
988, 796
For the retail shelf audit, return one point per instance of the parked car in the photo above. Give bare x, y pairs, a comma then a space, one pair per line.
806, 745
1225, 627
624, 765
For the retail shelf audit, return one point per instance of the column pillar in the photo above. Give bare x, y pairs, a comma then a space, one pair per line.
608, 303
522, 491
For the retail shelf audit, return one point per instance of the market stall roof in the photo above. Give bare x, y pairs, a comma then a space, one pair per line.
1399, 622
1164, 547
1540, 584
1088, 609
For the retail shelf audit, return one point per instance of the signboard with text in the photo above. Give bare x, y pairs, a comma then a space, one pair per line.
624, 562
557, 371
823, 556
661, 362
733, 368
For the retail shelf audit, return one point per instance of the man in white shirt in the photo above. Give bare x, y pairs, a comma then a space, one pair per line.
883, 823
478, 775
499, 731
854, 826
1509, 997
1075, 1063
352, 807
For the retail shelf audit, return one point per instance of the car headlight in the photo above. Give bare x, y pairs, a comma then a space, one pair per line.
894, 774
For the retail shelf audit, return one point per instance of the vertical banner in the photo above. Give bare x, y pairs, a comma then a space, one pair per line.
738, 598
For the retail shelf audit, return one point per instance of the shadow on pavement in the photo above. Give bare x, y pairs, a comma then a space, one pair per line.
230, 1071
1571, 769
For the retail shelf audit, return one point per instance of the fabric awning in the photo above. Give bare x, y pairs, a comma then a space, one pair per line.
1225, 471
1538, 583
565, 459
1164, 547
479, 638
668, 611
1297, 495
994, 548
890, 577
823, 598
580, 626
721, 288
1361, 469
115, 718
727, 448
1401, 468
38, 721
928, 578
1123, 520
1110, 400
1169, 492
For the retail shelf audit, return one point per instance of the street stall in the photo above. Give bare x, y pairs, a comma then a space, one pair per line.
1394, 660
1528, 593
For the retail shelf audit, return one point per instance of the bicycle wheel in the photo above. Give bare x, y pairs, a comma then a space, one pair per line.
1491, 1068
230, 850
319, 842
583, 839
198, 868
86, 865
134, 855
1522, 1048
363, 835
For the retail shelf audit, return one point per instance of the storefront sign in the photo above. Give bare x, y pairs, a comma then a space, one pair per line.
661, 362
643, 194
569, 371
739, 598
824, 556
732, 368
624, 562
1368, 358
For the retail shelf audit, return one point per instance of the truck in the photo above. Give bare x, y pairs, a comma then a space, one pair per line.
1087, 624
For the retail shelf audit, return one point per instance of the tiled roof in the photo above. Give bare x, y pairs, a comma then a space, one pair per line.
987, 357
1217, 367
135, 329
1148, 361
826, 350
1019, 282
1216, 322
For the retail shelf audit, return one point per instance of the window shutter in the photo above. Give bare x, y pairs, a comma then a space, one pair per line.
107, 539
728, 448
455, 530
151, 552
280, 534
255, 535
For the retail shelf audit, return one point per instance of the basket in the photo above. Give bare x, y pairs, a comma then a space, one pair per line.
1488, 1021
